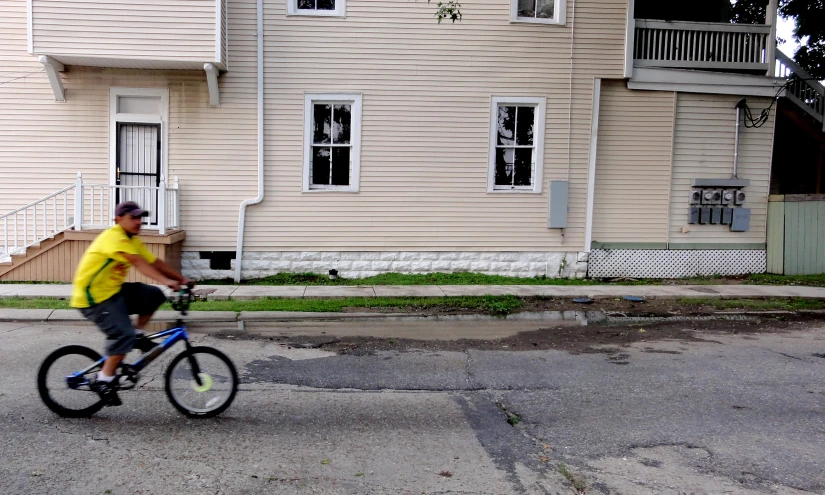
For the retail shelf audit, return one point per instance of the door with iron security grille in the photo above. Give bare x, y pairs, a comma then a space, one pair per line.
138, 164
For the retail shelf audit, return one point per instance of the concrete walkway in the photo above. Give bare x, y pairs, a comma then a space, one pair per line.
247, 292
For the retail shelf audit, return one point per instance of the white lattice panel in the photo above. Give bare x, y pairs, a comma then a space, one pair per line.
663, 263
733, 262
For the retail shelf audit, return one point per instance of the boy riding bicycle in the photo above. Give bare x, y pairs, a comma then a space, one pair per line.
101, 293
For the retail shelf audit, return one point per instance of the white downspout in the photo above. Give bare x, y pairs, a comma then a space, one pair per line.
260, 196
591, 170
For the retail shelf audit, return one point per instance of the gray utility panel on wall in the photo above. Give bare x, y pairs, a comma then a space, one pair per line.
558, 204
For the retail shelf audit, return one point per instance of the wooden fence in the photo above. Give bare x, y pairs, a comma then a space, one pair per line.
796, 234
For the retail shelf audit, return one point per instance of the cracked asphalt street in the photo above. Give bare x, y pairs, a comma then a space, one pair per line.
728, 414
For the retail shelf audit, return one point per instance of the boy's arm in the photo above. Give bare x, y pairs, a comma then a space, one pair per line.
150, 270
170, 272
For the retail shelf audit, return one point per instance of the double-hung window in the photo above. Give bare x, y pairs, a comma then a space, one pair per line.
538, 11
332, 141
516, 144
334, 8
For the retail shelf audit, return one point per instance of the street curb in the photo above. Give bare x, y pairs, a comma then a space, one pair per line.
206, 317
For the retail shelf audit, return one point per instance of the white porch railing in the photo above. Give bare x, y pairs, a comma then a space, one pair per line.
702, 45
37, 221
802, 89
85, 206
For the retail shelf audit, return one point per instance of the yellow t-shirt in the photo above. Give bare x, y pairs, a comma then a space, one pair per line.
103, 269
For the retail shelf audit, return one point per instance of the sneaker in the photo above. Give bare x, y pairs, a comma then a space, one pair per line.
107, 391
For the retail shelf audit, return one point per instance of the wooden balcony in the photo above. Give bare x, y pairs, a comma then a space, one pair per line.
151, 34
742, 48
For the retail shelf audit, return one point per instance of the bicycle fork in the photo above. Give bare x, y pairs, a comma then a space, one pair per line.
193, 363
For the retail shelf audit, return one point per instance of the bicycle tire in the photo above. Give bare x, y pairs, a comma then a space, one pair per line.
44, 390
205, 412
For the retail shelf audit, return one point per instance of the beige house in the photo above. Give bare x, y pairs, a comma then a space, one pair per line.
309, 135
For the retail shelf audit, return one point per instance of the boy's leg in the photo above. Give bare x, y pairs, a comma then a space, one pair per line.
112, 317
142, 300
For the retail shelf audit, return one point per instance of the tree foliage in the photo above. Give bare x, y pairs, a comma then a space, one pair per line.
809, 17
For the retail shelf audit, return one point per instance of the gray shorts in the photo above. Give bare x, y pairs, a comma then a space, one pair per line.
112, 315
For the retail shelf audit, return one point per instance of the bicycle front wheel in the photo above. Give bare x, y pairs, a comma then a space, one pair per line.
216, 390
78, 401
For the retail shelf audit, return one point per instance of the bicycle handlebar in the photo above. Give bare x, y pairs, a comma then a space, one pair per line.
184, 299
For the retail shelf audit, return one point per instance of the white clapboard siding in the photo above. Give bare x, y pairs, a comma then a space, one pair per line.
426, 114
168, 30
43, 144
703, 148
633, 165
425, 128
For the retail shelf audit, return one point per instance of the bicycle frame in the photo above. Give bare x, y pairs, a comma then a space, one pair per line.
173, 336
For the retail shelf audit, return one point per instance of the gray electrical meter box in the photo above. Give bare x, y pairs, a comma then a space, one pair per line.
558, 204
741, 220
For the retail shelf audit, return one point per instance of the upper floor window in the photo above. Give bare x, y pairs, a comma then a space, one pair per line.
540, 11
516, 144
316, 7
332, 138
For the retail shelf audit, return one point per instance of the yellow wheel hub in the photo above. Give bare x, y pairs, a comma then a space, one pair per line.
206, 383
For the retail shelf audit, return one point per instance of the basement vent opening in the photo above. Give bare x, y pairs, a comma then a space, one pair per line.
218, 260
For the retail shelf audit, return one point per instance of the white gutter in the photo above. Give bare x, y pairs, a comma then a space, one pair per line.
260, 196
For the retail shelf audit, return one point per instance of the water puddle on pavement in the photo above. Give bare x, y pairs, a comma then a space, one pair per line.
583, 318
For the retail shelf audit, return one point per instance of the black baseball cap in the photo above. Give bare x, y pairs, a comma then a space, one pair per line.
130, 208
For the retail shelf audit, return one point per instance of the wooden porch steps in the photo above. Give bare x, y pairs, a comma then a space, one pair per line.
56, 258
21, 258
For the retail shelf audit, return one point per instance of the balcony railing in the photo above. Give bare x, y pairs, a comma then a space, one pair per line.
802, 88
93, 204
702, 45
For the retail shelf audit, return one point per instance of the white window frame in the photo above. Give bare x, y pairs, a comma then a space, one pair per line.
559, 8
538, 140
355, 139
340, 9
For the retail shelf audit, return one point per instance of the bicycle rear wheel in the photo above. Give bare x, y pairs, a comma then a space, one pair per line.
79, 402
215, 393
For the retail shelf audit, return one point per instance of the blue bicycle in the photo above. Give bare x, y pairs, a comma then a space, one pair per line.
200, 382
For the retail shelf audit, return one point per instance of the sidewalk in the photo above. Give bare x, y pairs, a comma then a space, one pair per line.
247, 292
224, 292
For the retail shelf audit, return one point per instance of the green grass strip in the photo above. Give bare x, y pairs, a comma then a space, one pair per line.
485, 304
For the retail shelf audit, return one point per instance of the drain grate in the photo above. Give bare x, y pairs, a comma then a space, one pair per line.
705, 290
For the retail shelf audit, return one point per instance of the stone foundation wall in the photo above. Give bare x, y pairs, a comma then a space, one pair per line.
369, 263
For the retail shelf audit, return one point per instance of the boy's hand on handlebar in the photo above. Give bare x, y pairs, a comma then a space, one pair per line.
173, 284
188, 282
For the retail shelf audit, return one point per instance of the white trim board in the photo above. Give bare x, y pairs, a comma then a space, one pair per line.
629, 39
591, 174
29, 27
115, 117
218, 30
689, 81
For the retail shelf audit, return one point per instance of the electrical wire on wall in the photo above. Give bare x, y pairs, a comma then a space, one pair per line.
25, 75
764, 115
